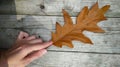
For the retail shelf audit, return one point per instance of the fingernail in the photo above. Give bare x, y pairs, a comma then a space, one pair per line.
50, 42
44, 51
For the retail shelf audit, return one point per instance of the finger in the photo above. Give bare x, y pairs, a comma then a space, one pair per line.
35, 41
31, 37
34, 56
22, 35
39, 46
30, 48
13, 50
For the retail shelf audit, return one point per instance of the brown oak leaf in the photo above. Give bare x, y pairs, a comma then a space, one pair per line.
86, 20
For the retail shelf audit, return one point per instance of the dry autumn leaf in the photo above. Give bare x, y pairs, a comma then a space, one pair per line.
86, 20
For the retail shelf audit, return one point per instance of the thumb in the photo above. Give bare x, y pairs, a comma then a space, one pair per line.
33, 56
35, 47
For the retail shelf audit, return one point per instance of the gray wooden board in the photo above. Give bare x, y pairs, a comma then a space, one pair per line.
108, 42
25, 21
63, 59
103, 43
54, 7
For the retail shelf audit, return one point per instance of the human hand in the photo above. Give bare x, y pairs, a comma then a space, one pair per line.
26, 49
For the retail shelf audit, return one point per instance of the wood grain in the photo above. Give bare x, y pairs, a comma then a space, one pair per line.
25, 21
54, 7
63, 59
103, 43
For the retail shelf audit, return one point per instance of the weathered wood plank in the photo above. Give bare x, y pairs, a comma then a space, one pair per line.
108, 42
54, 7
74, 6
42, 25
22, 21
64, 59
6, 38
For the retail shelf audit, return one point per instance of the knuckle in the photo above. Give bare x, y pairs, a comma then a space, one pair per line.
41, 40
23, 49
32, 37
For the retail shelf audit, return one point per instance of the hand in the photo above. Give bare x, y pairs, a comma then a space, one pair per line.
26, 49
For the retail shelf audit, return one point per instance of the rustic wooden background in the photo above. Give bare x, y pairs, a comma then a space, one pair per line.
39, 17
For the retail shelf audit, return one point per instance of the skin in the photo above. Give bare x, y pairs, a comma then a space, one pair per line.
25, 50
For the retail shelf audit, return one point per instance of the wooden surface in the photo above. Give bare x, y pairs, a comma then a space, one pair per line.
39, 17
54, 7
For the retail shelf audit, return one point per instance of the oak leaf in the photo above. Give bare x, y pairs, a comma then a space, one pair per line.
86, 20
